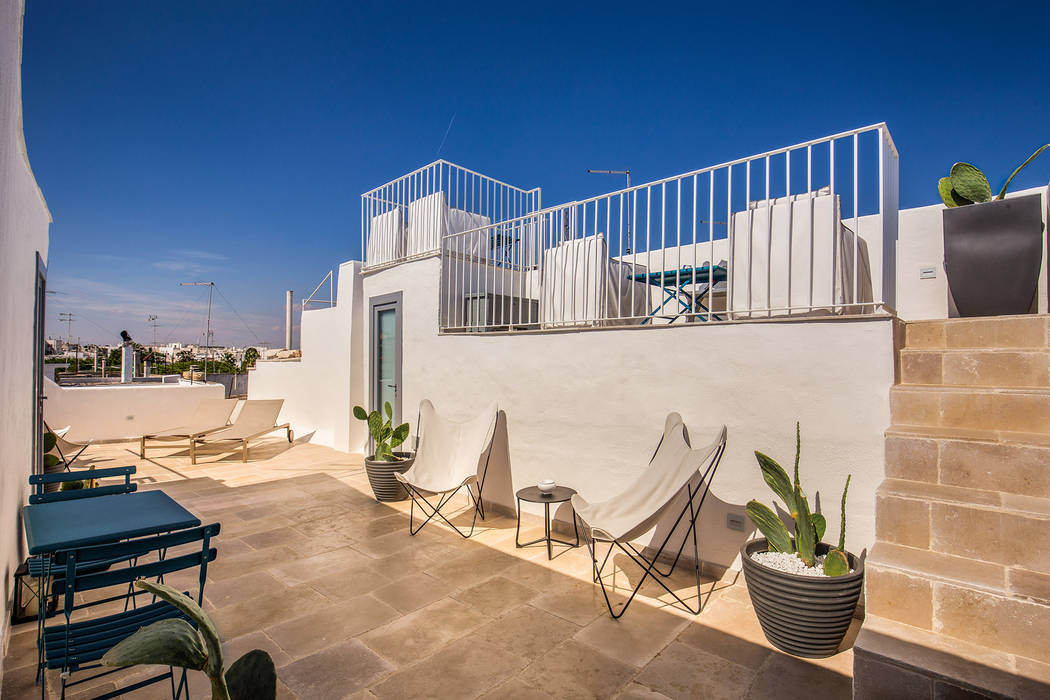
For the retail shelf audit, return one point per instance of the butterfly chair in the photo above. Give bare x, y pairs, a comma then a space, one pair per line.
647, 502
68, 450
209, 416
447, 457
74, 647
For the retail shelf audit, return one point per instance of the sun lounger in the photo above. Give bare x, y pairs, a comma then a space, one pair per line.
257, 418
447, 457
211, 415
646, 502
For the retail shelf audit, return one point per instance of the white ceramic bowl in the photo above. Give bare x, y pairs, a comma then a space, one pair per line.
547, 485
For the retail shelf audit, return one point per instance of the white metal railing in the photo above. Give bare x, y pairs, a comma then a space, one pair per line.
409, 216
810, 229
312, 299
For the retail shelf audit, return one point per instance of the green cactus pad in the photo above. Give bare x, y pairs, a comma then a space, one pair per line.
950, 197
771, 526
51, 461
836, 563
777, 479
252, 677
166, 643
204, 623
805, 539
820, 525
970, 183
50, 440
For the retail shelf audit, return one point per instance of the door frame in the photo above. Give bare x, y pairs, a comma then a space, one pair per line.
385, 302
39, 323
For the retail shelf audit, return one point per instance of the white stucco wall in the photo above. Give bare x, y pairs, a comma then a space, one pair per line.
24, 221
116, 411
920, 244
321, 388
586, 408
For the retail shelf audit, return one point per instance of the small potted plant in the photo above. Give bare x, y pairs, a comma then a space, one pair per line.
384, 462
804, 591
993, 248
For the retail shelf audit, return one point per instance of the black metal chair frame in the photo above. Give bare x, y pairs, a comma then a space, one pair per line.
417, 497
74, 580
649, 566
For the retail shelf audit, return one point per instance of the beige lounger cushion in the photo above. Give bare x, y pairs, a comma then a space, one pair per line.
211, 414
257, 417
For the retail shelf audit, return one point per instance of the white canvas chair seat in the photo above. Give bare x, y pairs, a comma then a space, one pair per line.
447, 457
258, 417
649, 499
209, 416
68, 450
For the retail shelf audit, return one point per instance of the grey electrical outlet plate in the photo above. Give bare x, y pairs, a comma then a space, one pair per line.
735, 521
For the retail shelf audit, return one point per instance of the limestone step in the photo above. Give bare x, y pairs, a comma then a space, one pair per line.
1005, 332
938, 593
973, 367
987, 526
896, 660
1013, 463
971, 408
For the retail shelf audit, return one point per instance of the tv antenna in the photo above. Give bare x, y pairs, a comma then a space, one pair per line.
68, 318
152, 319
628, 174
207, 332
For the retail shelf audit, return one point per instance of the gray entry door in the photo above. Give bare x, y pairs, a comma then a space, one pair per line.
386, 353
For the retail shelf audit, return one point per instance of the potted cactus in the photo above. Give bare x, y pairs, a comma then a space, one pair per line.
175, 642
384, 461
804, 591
992, 247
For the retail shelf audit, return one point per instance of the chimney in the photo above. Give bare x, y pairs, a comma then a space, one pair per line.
288, 320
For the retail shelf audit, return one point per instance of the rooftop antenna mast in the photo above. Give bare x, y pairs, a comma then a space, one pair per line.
152, 319
207, 332
68, 318
628, 174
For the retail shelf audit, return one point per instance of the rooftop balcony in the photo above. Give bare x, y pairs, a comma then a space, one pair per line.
312, 569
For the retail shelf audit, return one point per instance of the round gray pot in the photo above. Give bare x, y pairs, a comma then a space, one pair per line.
381, 477
803, 615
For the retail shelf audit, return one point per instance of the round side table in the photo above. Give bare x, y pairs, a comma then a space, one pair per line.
532, 494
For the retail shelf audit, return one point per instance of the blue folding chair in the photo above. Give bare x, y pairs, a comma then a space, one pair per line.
41, 566
74, 647
41, 481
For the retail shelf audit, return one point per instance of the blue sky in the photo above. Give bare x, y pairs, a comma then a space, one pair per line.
231, 140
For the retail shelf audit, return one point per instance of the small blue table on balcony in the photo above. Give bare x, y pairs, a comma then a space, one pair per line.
674, 284
51, 527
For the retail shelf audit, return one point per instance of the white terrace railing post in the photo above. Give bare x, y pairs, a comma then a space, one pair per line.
789, 253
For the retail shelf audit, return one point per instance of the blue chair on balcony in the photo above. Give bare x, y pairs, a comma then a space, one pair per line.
75, 647
42, 566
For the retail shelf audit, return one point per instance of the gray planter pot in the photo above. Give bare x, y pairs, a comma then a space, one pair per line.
381, 477
992, 255
802, 615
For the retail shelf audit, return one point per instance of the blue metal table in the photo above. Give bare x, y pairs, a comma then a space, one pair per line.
79, 523
674, 283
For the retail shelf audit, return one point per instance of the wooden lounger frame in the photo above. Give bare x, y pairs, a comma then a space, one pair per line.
244, 441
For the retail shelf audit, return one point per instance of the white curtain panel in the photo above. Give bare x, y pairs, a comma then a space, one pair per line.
795, 252
386, 238
430, 218
583, 286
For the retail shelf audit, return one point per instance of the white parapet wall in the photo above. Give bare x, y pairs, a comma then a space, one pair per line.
122, 411
587, 408
320, 388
